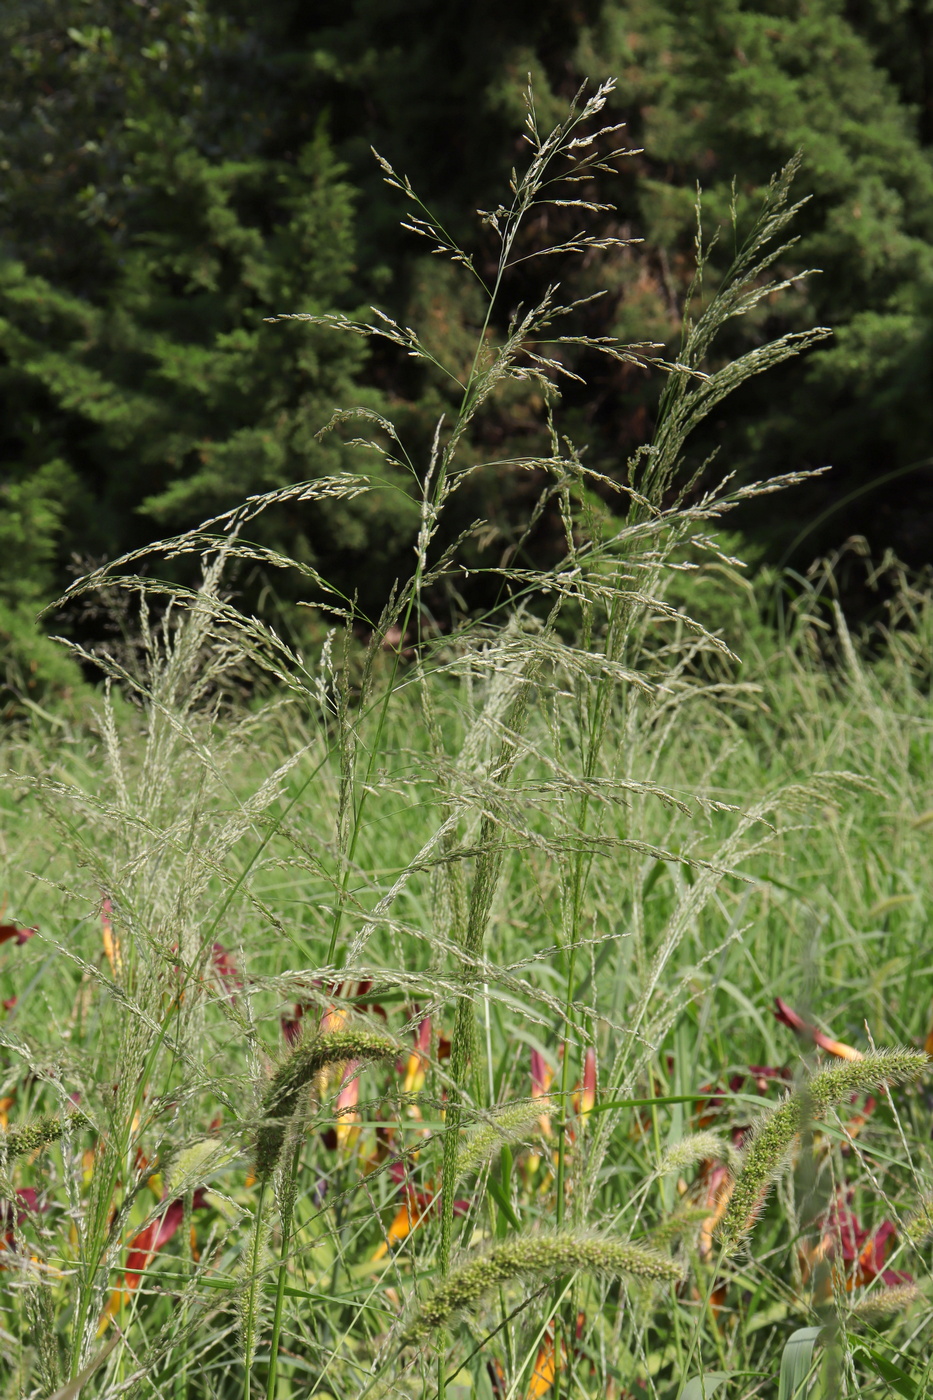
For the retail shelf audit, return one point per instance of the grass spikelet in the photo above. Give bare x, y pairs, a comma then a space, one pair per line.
834, 1084
545, 1256
883, 1302
31, 1137
307, 1060
681, 1223
777, 1131
918, 1227
193, 1164
697, 1147
506, 1125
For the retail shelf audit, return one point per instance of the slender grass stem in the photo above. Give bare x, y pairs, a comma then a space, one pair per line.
250, 1317
288, 1198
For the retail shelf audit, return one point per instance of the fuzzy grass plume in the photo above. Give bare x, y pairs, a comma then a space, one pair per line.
777, 1131
301, 1067
544, 1255
506, 1125
918, 1227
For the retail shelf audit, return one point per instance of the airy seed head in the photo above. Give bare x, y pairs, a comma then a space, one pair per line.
508, 1124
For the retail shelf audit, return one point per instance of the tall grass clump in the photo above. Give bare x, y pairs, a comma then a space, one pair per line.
399, 1030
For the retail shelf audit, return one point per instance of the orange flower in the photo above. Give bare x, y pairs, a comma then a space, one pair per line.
409, 1217
348, 1120
719, 1186
545, 1371
110, 941
416, 1066
585, 1102
542, 1377
788, 1017
541, 1077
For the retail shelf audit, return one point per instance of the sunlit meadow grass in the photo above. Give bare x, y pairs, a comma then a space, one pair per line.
401, 1032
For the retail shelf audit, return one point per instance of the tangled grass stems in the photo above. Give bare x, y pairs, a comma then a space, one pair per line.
563, 771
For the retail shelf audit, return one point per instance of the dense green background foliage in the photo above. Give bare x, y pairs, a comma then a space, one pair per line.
173, 174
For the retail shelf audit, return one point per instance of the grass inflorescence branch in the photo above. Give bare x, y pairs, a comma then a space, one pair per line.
775, 1134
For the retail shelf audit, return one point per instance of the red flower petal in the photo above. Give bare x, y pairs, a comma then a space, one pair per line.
8, 931
788, 1017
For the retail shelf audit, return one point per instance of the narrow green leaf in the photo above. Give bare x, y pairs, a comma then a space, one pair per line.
797, 1362
702, 1387
896, 1378
503, 1202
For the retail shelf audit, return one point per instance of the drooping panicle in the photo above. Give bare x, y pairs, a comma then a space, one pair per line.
305, 1062
776, 1132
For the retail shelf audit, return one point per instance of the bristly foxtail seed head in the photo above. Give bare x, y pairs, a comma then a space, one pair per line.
918, 1227
506, 1125
690, 1150
30, 1137
883, 1302
306, 1061
542, 1255
776, 1133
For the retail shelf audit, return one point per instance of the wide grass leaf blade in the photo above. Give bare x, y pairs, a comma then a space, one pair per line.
797, 1362
702, 1387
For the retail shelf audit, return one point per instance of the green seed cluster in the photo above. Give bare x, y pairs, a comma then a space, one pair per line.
485, 1142
301, 1067
776, 1133
29, 1137
690, 1150
918, 1227
680, 1223
543, 1255
883, 1302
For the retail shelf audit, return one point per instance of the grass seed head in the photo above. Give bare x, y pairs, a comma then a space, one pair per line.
918, 1227
776, 1133
506, 1125
544, 1255
305, 1062
883, 1302
31, 1137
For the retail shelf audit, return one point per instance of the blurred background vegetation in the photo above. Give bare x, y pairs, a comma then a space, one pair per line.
173, 173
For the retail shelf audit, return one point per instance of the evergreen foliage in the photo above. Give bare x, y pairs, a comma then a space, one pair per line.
173, 175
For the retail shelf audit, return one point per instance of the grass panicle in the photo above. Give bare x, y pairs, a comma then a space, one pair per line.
30, 1137
508, 1124
532, 813
302, 1067
545, 1255
776, 1133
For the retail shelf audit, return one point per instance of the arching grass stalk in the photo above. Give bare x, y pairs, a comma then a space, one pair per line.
485, 880
598, 719
548, 1254
279, 1104
250, 1309
777, 1131
96, 1236
302, 1066
287, 1209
